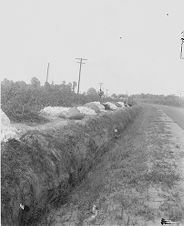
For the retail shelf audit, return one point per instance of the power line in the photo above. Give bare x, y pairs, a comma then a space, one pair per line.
80, 62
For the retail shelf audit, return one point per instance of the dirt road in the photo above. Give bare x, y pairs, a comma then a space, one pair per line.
137, 182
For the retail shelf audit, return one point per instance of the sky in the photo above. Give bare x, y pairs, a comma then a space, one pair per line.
144, 60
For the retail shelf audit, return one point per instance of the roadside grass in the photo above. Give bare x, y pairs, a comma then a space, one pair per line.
133, 183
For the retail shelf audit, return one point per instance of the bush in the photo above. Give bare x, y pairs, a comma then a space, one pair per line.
22, 102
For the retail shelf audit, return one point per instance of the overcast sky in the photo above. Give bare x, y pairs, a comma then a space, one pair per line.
145, 60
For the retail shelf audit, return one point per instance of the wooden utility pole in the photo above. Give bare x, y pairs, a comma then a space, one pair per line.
47, 76
80, 62
181, 94
100, 93
100, 85
182, 43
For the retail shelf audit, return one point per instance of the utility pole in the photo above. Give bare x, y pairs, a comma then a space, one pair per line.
80, 62
47, 76
100, 85
182, 42
100, 93
181, 96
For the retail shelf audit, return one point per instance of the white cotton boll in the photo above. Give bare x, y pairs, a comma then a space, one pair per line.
86, 110
99, 105
96, 106
112, 106
54, 111
121, 103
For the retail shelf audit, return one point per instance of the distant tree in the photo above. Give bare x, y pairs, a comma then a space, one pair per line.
35, 82
92, 92
69, 85
7, 91
21, 85
62, 85
47, 85
122, 96
114, 95
6, 83
74, 85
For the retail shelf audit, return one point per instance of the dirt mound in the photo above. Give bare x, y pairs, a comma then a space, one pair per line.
40, 170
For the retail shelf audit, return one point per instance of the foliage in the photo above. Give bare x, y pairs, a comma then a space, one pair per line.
35, 82
172, 100
74, 85
92, 91
22, 102
114, 95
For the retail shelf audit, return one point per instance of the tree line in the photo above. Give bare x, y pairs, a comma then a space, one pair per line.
22, 101
171, 100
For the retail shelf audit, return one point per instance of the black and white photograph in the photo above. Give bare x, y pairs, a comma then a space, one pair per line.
92, 112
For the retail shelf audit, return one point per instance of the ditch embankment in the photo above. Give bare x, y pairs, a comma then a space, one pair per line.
138, 181
42, 168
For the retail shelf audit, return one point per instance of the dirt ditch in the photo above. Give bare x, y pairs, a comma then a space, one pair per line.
137, 182
41, 169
